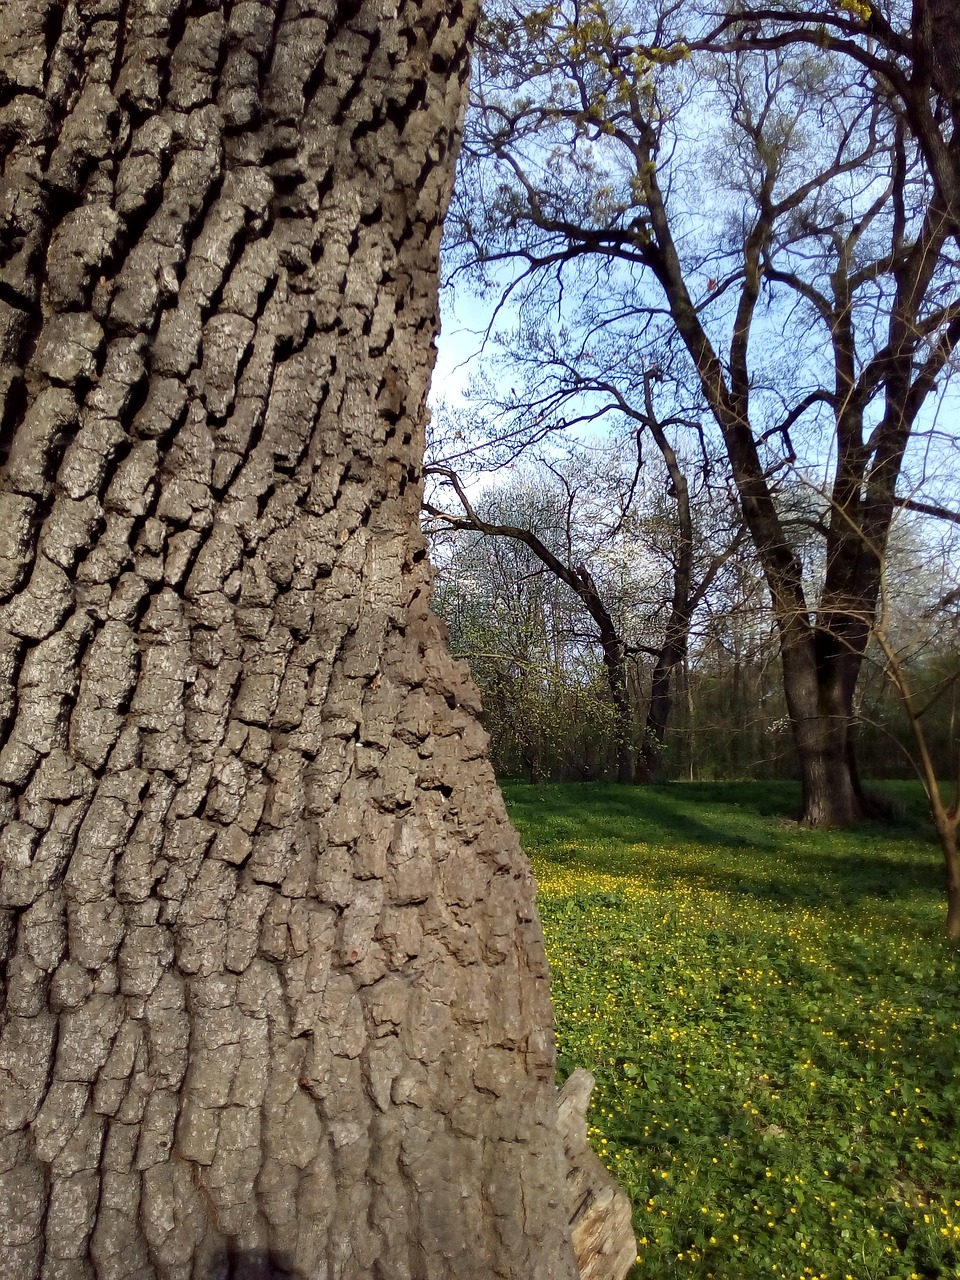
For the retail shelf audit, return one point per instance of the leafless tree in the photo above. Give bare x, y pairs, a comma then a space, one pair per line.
803, 262
687, 577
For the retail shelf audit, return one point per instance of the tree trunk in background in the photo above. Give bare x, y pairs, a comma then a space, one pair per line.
676, 636
615, 664
820, 703
276, 998
668, 661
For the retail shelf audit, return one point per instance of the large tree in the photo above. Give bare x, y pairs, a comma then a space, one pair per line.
802, 259
275, 993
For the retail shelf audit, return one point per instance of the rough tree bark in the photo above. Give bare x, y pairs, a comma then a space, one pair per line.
275, 994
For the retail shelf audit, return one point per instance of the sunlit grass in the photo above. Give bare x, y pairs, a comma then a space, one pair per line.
772, 1018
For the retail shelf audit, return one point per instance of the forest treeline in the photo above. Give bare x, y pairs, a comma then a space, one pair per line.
538, 655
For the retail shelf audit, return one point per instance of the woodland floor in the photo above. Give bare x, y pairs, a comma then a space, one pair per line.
772, 1017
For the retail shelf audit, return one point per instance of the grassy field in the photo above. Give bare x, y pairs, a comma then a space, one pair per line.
772, 1019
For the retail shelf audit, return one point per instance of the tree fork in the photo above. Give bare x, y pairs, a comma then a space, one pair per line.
276, 996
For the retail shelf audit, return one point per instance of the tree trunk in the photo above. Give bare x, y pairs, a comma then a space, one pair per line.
948, 841
276, 998
658, 713
820, 706
616, 668
676, 636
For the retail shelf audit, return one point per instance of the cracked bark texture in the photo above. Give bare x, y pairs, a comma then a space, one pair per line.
275, 993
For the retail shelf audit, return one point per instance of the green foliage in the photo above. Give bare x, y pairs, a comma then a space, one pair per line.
772, 1019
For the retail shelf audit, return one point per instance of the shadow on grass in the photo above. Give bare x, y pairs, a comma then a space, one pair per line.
762, 852
257, 1264
807, 882
690, 813
810, 879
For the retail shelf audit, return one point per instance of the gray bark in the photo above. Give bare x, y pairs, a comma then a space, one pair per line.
601, 1216
275, 994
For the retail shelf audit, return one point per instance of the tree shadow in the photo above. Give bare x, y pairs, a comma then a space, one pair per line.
662, 812
256, 1264
809, 879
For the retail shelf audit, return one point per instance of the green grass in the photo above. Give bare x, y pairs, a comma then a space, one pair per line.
772, 1018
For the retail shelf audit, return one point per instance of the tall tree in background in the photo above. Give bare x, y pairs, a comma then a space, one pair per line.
546, 702
817, 221
275, 993
567, 567
631, 550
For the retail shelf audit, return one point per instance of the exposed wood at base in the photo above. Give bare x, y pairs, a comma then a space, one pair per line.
600, 1214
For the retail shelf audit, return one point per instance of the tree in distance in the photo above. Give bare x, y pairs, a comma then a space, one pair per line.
603, 533
915, 647
777, 207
